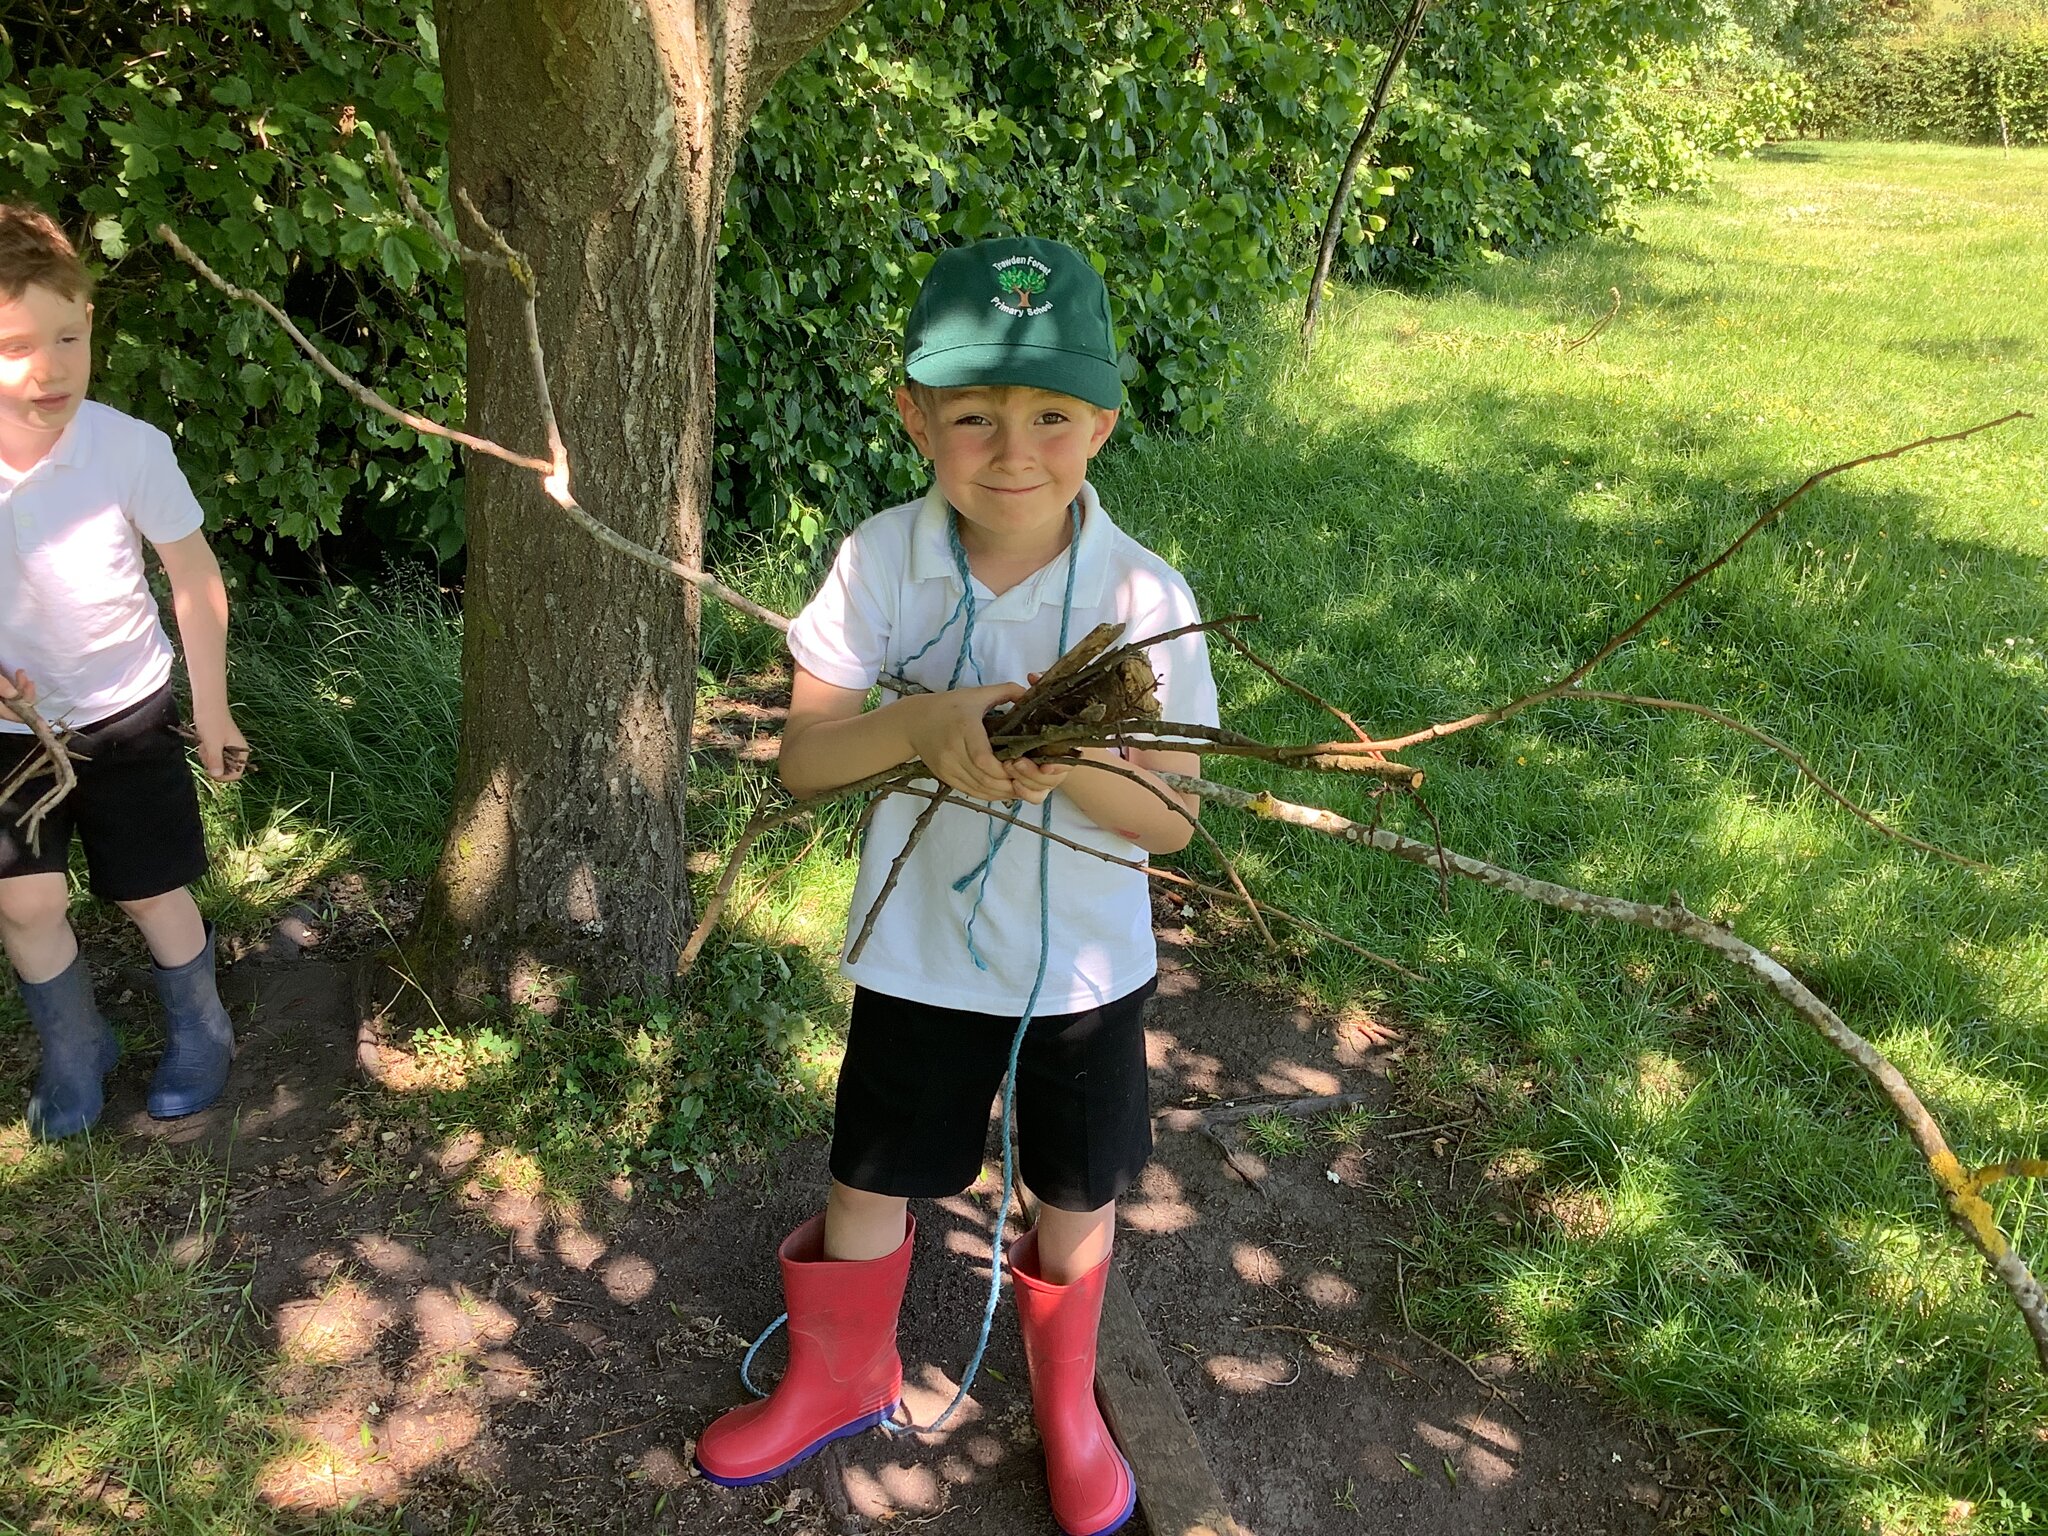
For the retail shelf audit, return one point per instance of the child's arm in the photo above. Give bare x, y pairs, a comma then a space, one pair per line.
1117, 803
199, 598
829, 742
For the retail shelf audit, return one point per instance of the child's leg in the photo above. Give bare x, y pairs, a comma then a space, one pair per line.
78, 1048
38, 939
1084, 1134
862, 1225
1071, 1243
172, 925
844, 1374
199, 1038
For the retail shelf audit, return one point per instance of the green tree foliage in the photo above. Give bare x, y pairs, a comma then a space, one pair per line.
248, 125
1190, 146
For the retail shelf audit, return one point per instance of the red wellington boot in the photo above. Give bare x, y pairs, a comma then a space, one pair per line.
1093, 1491
844, 1374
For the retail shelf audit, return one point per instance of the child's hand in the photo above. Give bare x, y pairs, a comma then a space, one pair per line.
16, 687
945, 730
223, 753
1031, 780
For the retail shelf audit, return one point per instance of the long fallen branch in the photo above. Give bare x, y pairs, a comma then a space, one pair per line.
1961, 1188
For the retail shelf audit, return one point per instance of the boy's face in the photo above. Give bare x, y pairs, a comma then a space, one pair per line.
1008, 458
45, 363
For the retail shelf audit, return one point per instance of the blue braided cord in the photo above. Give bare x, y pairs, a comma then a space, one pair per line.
966, 602
746, 1365
966, 656
995, 1257
999, 831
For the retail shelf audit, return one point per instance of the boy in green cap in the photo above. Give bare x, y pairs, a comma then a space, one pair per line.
1012, 388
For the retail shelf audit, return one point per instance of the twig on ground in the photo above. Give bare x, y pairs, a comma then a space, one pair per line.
1601, 324
1230, 1114
1230, 1159
1424, 1130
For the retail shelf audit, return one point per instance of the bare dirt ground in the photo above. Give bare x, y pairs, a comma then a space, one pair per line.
459, 1342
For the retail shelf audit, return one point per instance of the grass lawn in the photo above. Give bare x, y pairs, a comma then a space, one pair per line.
1443, 509
1440, 510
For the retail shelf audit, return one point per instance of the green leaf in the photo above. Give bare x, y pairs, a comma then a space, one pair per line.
400, 265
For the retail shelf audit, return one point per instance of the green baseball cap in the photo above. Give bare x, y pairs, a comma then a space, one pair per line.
1015, 311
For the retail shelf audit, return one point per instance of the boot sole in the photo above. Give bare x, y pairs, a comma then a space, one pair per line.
853, 1427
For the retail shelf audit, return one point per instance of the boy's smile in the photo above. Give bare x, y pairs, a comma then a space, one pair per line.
1009, 459
45, 364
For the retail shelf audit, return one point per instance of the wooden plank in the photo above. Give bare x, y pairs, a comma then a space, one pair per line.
1177, 1493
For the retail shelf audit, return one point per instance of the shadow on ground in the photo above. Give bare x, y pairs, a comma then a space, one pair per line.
461, 1346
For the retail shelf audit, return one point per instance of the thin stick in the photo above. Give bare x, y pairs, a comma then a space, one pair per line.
55, 755
1171, 877
360, 392
1309, 1106
1791, 757
1236, 882
1424, 1130
939, 797
1237, 644
554, 476
1230, 1159
1962, 1200
1770, 515
1600, 325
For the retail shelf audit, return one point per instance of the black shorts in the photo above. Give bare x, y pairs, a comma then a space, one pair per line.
134, 806
918, 1082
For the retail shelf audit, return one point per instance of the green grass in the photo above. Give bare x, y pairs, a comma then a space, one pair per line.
1443, 509
132, 1396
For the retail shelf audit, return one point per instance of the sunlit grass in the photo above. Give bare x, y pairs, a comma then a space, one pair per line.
132, 1395
1442, 509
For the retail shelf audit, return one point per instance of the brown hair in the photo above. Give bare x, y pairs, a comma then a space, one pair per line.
34, 249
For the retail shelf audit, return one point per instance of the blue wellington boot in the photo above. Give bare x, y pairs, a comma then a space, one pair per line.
199, 1039
78, 1051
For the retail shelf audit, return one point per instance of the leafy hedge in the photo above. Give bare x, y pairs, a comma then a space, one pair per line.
247, 124
1189, 144
1968, 84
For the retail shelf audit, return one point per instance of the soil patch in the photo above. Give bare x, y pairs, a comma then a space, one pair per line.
458, 1340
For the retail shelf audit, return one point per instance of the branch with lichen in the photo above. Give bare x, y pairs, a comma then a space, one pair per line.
1961, 1189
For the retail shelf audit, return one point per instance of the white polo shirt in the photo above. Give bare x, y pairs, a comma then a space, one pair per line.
892, 586
76, 612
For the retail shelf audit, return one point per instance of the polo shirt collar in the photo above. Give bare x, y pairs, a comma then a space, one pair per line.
65, 452
931, 556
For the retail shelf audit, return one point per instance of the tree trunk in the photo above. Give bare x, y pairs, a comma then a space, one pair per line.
598, 137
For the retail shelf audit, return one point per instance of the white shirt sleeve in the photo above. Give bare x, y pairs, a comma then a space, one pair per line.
1187, 688
160, 502
842, 636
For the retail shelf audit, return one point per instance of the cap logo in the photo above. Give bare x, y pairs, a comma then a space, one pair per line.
1021, 279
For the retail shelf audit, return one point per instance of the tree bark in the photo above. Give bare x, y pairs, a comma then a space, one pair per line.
598, 137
